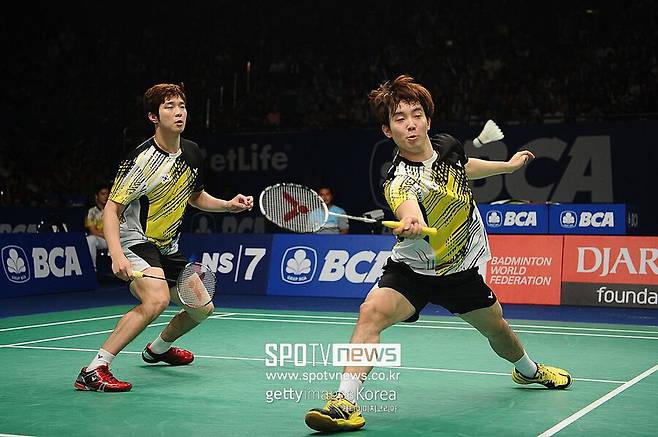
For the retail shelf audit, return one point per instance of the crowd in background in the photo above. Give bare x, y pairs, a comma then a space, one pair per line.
73, 87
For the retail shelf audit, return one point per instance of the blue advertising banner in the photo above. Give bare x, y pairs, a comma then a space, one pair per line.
15, 219
576, 163
240, 261
515, 219
45, 263
584, 219
327, 265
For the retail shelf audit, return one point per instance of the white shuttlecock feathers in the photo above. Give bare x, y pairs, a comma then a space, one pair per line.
491, 132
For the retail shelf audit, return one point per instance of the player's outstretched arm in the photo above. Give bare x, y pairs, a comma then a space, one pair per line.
411, 220
480, 168
206, 202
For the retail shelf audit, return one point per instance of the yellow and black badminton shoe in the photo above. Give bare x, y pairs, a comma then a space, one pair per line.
338, 414
549, 377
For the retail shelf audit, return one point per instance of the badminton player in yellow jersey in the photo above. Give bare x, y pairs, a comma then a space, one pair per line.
427, 185
141, 221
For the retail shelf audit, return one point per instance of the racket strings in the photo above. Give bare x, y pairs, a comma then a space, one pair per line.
294, 207
196, 285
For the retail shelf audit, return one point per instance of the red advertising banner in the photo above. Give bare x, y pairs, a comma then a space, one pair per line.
617, 260
610, 271
525, 269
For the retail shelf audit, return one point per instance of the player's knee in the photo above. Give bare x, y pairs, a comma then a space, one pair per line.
371, 313
154, 307
499, 328
201, 314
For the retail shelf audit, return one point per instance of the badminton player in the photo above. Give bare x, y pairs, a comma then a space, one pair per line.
427, 185
142, 219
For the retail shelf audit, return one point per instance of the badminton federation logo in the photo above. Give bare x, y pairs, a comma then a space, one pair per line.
298, 265
568, 219
14, 261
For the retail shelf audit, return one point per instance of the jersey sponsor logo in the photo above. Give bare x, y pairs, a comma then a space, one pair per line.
298, 265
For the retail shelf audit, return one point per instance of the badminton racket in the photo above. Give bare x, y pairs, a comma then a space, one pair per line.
195, 284
300, 209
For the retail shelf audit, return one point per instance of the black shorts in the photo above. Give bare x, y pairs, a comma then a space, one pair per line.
459, 292
144, 255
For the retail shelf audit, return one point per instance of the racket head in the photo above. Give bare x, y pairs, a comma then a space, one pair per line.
294, 207
196, 285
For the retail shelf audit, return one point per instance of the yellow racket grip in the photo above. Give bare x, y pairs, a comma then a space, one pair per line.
393, 224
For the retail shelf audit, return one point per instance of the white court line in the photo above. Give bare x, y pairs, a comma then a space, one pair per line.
572, 328
469, 328
569, 420
65, 322
70, 336
215, 357
231, 316
93, 319
14, 435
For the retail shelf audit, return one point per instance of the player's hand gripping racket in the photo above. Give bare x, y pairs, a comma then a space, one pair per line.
300, 209
195, 284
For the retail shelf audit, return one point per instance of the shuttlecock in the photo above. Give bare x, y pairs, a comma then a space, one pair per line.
491, 132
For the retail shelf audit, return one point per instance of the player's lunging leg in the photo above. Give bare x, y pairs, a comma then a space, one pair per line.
154, 297
187, 319
382, 308
504, 341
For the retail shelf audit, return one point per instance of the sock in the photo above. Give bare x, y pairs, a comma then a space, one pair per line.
159, 346
102, 358
526, 366
349, 386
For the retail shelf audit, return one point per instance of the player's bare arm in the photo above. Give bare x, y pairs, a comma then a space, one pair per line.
481, 168
120, 265
205, 202
411, 219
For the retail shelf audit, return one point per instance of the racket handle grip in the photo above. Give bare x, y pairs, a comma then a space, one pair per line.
393, 225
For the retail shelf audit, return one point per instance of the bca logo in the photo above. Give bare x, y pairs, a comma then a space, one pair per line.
298, 265
522, 218
14, 261
568, 219
494, 218
597, 219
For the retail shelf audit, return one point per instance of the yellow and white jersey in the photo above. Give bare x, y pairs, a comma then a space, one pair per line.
440, 187
94, 218
154, 186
